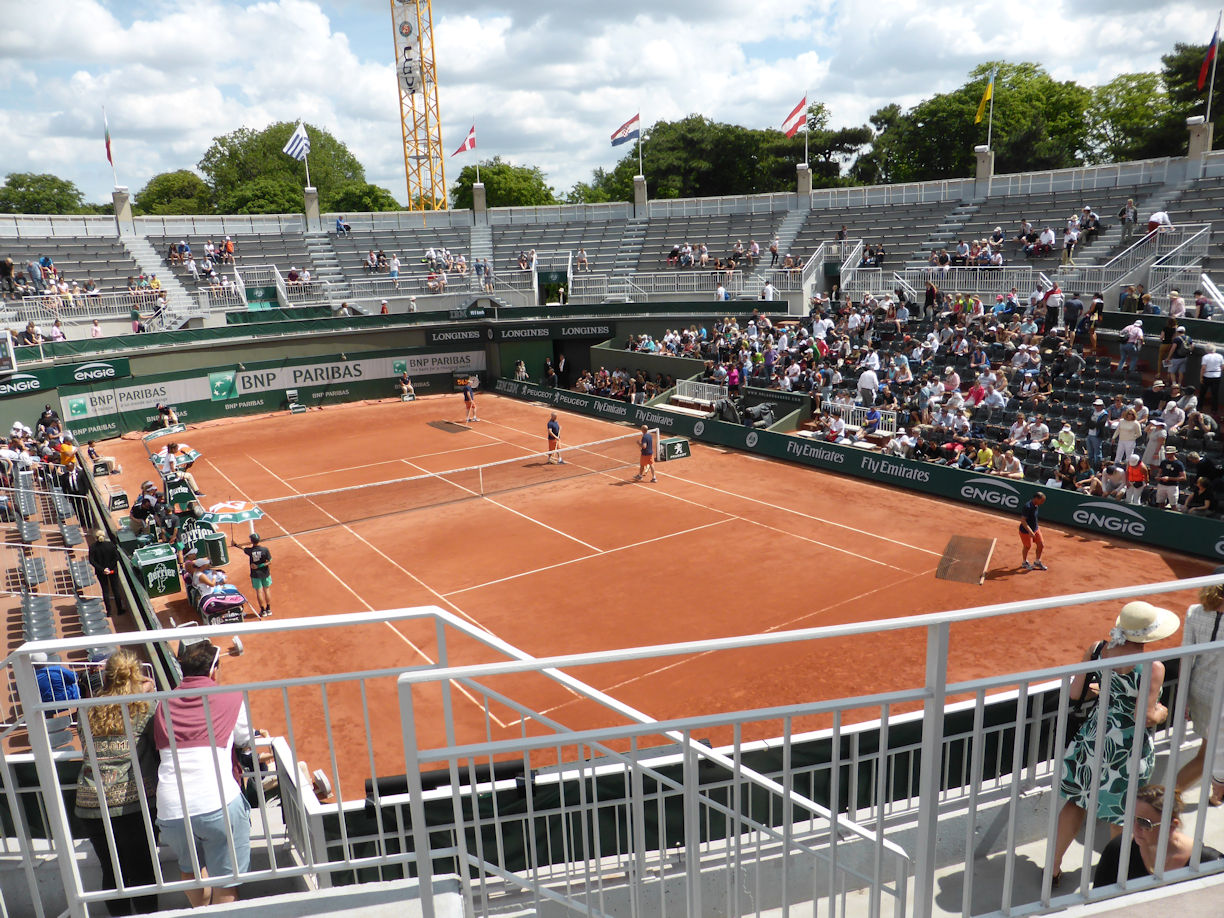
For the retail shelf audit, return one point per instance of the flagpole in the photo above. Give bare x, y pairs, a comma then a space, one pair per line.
1214, 59
990, 123
641, 171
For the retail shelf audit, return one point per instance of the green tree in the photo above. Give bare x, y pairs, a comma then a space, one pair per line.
1128, 118
1038, 124
267, 194
1180, 72
245, 156
832, 148
506, 185
39, 193
179, 192
362, 198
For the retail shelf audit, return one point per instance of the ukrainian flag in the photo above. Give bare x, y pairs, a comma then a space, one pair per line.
986, 97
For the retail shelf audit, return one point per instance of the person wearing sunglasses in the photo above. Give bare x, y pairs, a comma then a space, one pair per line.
1150, 804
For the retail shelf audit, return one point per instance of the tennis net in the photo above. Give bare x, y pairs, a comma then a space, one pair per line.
301, 513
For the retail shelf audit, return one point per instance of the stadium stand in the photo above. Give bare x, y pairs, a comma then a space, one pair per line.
409, 244
900, 228
601, 240
719, 233
103, 259
1202, 201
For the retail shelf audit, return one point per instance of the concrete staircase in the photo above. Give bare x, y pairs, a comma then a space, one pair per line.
325, 264
947, 233
481, 245
630, 248
180, 305
788, 230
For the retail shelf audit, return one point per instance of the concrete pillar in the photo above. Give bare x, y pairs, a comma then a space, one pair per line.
313, 223
1200, 139
639, 196
123, 210
480, 203
803, 173
985, 170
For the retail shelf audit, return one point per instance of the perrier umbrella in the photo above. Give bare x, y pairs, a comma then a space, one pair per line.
233, 511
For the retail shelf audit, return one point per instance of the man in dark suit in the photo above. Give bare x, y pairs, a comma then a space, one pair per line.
76, 486
104, 557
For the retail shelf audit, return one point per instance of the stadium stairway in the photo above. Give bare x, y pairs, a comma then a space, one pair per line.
180, 305
788, 231
946, 234
1109, 243
325, 264
481, 243
630, 248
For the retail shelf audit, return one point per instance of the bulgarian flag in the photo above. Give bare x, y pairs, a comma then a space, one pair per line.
106, 129
1210, 56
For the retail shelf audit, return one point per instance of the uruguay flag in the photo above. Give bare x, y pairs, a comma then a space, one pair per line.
628, 131
1211, 53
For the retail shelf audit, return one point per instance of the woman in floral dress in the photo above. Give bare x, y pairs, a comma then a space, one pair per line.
1138, 624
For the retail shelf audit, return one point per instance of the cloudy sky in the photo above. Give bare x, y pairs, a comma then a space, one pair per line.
545, 81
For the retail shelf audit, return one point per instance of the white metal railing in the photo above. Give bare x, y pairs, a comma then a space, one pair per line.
1163, 278
700, 391
728, 204
60, 227
586, 287
221, 298
571, 824
308, 293
856, 415
561, 213
233, 225
49, 307
933, 191
400, 220
980, 281
1082, 178
1154, 245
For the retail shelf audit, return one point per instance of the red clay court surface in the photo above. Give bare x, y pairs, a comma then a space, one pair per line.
725, 544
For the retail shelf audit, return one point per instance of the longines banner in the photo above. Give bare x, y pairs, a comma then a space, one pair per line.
99, 409
1194, 535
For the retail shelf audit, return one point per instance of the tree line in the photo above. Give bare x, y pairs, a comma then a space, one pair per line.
1039, 123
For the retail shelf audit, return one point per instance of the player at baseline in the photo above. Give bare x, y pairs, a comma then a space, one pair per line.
646, 442
554, 439
469, 401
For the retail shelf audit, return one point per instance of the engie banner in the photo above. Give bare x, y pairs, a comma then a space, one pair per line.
1194, 535
99, 410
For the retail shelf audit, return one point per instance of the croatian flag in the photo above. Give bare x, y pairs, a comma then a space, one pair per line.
628, 131
298, 145
796, 119
469, 142
1211, 53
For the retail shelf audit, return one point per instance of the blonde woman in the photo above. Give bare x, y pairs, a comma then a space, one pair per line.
1128, 433
1203, 626
119, 758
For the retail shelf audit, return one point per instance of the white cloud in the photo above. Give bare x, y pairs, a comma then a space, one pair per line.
545, 81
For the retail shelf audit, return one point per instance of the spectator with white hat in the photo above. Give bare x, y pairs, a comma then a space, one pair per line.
1170, 475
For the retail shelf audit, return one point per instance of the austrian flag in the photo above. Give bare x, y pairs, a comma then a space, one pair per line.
796, 119
468, 144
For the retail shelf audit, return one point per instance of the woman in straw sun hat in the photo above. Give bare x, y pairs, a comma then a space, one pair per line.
1138, 624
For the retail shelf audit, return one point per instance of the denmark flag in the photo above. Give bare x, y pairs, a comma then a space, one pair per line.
469, 142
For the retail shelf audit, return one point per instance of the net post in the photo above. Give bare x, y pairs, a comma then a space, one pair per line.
657, 439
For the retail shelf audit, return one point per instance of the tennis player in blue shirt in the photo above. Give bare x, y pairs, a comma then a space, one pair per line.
647, 459
1030, 532
554, 440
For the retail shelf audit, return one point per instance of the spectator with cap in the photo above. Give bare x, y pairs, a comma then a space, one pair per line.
1170, 475
1132, 344
1182, 348
1098, 431
383, 308
261, 572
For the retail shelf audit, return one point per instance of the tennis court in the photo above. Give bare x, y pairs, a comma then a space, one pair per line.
557, 559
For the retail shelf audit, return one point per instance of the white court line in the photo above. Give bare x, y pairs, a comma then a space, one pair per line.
809, 516
531, 519
403, 637
609, 551
689, 659
370, 465
749, 520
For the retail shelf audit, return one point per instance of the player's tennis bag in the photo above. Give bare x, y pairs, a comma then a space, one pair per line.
223, 606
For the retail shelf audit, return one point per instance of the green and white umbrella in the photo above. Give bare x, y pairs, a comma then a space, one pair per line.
232, 511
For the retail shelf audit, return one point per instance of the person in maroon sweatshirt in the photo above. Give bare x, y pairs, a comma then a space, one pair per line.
198, 794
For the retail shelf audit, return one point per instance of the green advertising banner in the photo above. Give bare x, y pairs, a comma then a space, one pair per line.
1194, 535
100, 411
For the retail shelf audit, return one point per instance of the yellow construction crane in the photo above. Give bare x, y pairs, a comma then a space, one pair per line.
416, 74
